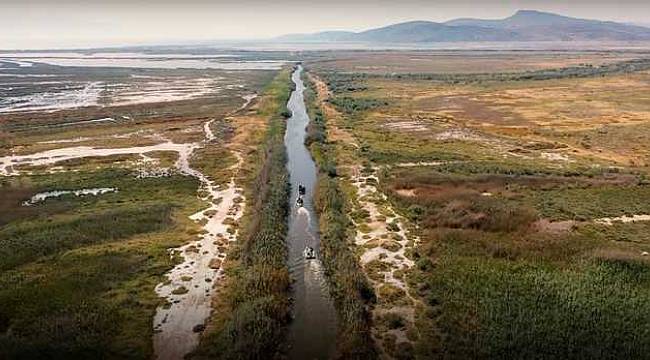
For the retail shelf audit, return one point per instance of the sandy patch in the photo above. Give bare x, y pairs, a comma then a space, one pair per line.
460, 134
385, 239
407, 126
422, 163
406, 192
555, 157
622, 219
554, 227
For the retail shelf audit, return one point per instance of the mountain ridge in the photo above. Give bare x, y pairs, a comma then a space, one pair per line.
524, 25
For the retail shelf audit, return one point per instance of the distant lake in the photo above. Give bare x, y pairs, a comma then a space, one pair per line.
137, 60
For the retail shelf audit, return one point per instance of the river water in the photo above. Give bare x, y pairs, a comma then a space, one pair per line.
312, 334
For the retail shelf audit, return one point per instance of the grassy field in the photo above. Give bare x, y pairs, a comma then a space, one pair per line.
568, 121
78, 272
506, 177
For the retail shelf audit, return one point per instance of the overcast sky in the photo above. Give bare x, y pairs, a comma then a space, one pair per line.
30, 24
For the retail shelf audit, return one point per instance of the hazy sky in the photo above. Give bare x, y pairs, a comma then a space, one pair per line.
84, 23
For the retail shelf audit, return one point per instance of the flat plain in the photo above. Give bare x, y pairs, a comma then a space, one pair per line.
472, 204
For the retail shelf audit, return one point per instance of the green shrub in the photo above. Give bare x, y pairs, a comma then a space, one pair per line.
352, 106
342, 83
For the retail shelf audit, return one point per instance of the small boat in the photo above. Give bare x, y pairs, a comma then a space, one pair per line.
302, 189
300, 202
309, 253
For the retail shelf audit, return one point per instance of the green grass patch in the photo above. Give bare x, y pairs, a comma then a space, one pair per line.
24, 242
591, 203
79, 273
500, 309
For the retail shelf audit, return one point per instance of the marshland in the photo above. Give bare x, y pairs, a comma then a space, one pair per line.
459, 204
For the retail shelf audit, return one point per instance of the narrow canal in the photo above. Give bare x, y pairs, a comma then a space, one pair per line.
313, 331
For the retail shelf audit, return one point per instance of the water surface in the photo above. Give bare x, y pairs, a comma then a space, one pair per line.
312, 334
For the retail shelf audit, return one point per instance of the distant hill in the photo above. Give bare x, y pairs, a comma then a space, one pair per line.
525, 25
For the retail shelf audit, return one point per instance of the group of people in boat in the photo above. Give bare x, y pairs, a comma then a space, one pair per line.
301, 191
309, 252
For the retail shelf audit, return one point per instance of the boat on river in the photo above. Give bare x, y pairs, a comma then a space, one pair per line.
309, 253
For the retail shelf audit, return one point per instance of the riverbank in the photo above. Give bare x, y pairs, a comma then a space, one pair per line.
352, 293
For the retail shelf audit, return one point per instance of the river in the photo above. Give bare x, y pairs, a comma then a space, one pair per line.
312, 334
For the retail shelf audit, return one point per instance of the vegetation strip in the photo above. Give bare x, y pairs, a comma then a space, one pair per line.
26, 242
345, 81
349, 287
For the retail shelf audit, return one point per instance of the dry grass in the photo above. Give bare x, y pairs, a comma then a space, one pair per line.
380, 62
601, 119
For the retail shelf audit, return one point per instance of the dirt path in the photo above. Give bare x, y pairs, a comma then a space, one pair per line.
335, 132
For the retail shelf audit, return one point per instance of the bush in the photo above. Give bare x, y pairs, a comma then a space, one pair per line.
393, 226
286, 113
352, 106
393, 321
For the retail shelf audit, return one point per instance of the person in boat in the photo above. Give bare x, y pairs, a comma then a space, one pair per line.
309, 253
299, 201
301, 189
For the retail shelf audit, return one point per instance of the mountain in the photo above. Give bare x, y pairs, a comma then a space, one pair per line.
525, 25
532, 25
426, 31
641, 24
